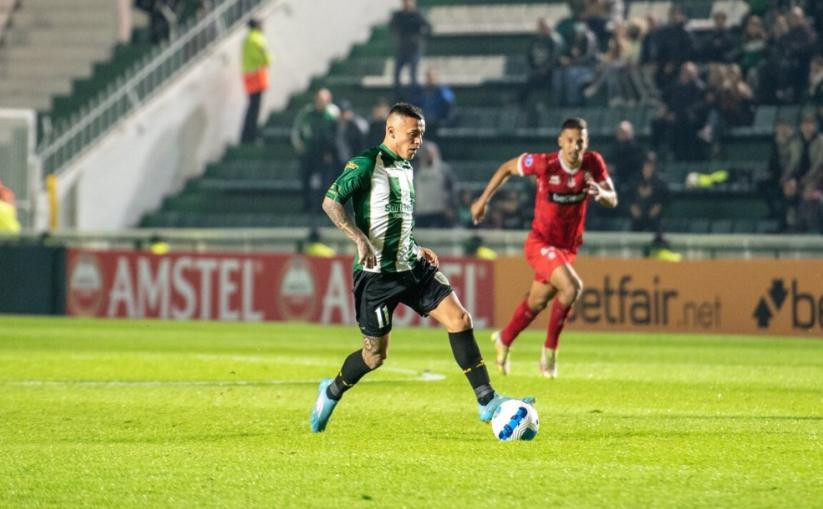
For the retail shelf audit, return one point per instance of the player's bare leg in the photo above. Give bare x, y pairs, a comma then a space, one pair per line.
458, 322
569, 286
538, 297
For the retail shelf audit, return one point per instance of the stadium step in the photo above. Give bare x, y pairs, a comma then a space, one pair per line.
479, 48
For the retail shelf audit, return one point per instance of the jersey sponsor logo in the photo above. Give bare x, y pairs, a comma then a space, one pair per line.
566, 198
528, 161
399, 208
548, 252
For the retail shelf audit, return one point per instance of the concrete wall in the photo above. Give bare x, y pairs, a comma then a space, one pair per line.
172, 137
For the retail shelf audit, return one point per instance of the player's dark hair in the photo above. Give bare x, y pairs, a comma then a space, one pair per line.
407, 110
574, 123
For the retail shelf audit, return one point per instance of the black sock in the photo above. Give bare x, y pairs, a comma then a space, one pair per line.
467, 354
354, 367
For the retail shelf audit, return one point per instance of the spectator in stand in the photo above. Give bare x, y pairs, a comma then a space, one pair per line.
681, 115
649, 195
506, 212
615, 68
410, 29
720, 44
437, 100
8, 211
313, 138
752, 50
377, 122
814, 93
770, 188
626, 158
650, 44
675, 45
565, 27
163, 17
256, 61
602, 15
465, 198
351, 135
729, 102
577, 69
802, 177
545, 51
810, 210
644, 91
815, 12
434, 188
800, 41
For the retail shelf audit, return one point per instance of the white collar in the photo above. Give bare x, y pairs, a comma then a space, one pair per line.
567, 169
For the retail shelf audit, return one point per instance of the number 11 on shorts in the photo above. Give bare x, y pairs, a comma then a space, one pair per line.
382, 313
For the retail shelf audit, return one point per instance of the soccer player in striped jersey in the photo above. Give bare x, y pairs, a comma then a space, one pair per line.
566, 179
391, 268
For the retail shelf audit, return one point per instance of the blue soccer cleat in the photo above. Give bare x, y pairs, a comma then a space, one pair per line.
323, 407
487, 411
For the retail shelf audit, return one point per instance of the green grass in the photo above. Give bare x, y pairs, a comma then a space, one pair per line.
147, 414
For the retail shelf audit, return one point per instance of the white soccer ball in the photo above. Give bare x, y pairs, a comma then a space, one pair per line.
515, 420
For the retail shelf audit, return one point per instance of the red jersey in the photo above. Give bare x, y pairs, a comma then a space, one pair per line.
561, 201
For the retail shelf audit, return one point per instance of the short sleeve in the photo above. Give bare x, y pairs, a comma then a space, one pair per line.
356, 176
598, 169
532, 164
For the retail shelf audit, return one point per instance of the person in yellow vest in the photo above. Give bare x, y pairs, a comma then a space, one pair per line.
256, 60
8, 211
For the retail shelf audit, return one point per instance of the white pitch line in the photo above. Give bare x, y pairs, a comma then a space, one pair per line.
425, 376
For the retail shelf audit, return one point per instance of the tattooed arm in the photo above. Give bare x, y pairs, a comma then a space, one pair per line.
337, 213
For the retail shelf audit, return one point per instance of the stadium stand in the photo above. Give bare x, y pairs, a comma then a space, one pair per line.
49, 44
6, 9
479, 49
123, 57
60, 58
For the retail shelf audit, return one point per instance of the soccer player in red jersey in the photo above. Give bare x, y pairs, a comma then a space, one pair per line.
565, 181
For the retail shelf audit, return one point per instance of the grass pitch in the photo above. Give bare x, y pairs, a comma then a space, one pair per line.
148, 414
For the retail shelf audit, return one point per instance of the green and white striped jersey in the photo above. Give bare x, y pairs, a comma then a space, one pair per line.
381, 186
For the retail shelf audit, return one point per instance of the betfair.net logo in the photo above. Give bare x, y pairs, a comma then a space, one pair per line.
806, 308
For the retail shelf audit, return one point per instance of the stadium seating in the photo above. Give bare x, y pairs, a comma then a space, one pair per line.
48, 44
479, 48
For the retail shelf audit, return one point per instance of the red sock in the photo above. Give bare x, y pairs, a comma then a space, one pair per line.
521, 319
556, 322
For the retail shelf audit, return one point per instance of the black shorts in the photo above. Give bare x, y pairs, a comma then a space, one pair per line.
376, 295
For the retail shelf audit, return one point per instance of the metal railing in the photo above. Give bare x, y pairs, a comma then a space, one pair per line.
445, 242
127, 93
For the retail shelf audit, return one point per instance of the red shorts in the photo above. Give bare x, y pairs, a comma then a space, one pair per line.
544, 258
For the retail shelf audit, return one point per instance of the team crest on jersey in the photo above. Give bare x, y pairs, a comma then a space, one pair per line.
554, 180
548, 252
571, 182
528, 161
351, 165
